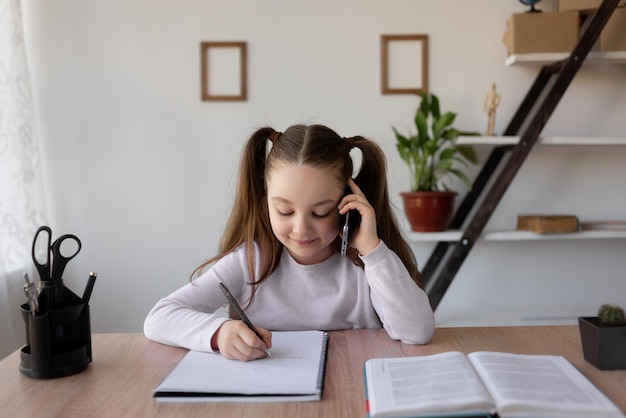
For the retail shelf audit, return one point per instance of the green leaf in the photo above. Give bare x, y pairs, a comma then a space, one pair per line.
422, 127
445, 165
469, 133
450, 134
401, 139
444, 121
463, 177
434, 106
447, 153
424, 104
468, 152
404, 153
430, 147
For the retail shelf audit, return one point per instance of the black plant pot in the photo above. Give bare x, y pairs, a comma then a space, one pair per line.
603, 346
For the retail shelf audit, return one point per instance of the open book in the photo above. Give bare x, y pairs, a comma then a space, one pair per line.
294, 372
482, 384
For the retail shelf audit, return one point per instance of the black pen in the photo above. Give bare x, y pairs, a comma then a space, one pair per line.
241, 314
88, 289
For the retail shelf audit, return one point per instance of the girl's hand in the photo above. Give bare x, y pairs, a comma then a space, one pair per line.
236, 341
364, 238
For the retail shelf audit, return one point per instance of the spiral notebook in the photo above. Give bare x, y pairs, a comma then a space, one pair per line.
294, 372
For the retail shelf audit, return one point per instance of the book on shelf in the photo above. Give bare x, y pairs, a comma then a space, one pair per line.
481, 384
294, 372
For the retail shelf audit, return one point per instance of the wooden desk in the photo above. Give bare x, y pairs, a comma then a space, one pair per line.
127, 367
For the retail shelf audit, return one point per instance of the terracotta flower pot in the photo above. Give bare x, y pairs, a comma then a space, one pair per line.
428, 211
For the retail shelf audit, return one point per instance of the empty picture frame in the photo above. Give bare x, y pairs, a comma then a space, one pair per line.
404, 64
223, 71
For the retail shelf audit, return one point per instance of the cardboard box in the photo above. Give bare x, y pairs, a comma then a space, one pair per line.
613, 36
542, 32
565, 5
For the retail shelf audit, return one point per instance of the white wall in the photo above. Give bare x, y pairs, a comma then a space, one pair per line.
143, 171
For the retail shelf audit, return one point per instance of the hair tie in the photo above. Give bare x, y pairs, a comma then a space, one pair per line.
349, 142
275, 136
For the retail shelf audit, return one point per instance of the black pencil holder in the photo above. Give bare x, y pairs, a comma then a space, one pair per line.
58, 342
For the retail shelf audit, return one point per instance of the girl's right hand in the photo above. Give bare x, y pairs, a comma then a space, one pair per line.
365, 238
236, 341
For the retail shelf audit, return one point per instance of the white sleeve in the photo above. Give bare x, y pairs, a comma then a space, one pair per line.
186, 317
402, 306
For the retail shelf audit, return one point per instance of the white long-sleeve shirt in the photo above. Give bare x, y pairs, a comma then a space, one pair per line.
334, 294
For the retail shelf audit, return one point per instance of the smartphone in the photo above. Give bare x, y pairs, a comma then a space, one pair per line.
344, 237
349, 222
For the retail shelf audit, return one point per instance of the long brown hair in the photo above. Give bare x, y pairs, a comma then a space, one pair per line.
316, 146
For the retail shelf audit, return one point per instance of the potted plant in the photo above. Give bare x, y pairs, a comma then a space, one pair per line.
603, 338
432, 155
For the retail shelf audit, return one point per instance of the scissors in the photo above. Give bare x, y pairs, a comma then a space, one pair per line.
52, 268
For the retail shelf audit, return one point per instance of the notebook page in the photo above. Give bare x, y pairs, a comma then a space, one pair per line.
294, 368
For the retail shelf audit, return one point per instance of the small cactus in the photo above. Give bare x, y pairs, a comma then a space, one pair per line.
611, 315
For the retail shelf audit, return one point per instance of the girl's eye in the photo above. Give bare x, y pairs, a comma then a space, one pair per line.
315, 215
321, 216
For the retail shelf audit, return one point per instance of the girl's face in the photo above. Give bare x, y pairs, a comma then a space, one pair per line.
302, 203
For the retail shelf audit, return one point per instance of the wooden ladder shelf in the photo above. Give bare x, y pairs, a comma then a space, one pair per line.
529, 119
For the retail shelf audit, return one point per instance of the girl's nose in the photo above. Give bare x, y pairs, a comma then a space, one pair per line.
301, 225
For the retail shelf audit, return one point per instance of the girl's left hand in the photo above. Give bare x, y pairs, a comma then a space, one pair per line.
364, 238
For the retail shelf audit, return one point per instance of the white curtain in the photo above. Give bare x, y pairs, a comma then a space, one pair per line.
21, 187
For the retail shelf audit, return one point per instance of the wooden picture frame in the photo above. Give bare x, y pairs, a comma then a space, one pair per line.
223, 71
404, 64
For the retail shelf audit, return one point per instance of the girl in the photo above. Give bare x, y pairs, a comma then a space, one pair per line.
280, 252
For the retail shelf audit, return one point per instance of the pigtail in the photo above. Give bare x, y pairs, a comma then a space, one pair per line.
372, 179
249, 202
248, 222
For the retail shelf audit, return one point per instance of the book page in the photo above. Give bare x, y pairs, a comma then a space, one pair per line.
424, 385
295, 367
545, 386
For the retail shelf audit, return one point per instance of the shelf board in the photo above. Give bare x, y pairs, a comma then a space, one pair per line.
594, 57
514, 235
510, 318
549, 140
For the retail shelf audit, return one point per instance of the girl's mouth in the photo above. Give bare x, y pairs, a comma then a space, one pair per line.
303, 243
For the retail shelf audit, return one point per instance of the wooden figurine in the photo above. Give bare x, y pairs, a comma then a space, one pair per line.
492, 100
